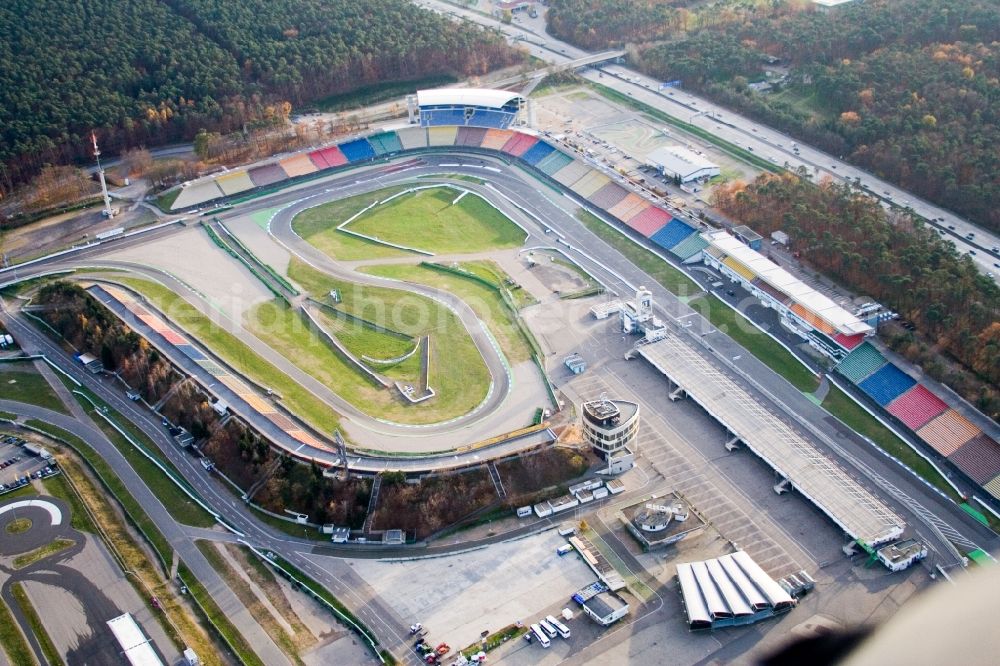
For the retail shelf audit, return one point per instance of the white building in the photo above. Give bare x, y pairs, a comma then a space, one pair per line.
679, 162
605, 608
610, 427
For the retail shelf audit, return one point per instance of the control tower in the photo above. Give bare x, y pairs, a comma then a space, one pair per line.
611, 428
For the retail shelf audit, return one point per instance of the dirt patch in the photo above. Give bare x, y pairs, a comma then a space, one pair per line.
526, 477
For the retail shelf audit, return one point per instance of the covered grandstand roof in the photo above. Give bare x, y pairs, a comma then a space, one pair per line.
466, 97
813, 301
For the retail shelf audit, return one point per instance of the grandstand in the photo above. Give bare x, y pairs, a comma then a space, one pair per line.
476, 107
887, 384
945, 430
649, 221
803, 310
608, 196
916, 407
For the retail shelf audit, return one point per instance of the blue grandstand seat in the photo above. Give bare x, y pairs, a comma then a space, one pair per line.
488, 118
672, 234
887, 384
449, 116
537, 152
357, 150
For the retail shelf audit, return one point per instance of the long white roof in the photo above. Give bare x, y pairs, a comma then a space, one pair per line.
136, 647
465, 97
780, 279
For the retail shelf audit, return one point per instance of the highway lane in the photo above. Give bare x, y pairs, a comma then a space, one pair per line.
744, 132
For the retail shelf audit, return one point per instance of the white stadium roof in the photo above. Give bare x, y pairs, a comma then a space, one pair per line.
465, 97
817, 303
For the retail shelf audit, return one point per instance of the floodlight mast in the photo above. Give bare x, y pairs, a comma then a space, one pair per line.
107, 212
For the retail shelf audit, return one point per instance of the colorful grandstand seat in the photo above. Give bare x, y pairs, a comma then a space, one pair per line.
860, 363
887, 384
673, 233
553, 162
490, 118
947, 432
689, 247
267, 174
326, 158
519, 144
537, 152
385, 142
357, 150
649, 221
470, 136
979, 458
916, 407
608, 196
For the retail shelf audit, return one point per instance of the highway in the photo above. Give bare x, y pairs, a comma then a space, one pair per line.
748, 134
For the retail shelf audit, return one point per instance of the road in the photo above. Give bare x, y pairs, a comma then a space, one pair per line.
518, 192
743, 132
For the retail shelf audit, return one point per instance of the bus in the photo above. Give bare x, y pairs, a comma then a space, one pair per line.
548, 628
559, 626
540, 636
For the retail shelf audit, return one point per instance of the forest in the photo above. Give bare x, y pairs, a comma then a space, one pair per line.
895, 259
606, 23
907, 89
148, 72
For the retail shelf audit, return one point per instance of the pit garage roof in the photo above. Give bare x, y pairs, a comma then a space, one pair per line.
779, 278
465, 97
851, 506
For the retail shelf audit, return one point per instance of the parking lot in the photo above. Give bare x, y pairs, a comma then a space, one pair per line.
18, 465
458, 597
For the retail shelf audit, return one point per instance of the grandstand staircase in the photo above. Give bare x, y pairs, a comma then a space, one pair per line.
372, 503
264, 478
173, 389
497, 481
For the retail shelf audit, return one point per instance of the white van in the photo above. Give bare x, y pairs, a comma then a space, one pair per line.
559, 626
540, 636
548, 628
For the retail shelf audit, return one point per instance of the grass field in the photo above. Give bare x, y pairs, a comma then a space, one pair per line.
238, 355
363, 340
217, 619
37, 628
761, 345
848, 411
253, 604
318, 226
657, 268
166, 200
427, 220
485, 302
58, 486
38, 554
26, 385
12, 641
458, 373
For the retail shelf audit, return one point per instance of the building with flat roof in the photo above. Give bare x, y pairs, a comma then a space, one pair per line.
679, 162
605, 608
827, 327
136, 648
610, 427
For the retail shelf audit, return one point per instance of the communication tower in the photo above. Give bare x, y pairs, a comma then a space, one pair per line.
108, 211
